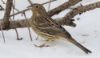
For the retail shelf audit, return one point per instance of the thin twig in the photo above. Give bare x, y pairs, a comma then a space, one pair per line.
18, 35
30, 2
12, 6
1, 8
29, 9
62, 7
13, 19
48, 2
28, 26
3, 2
15, 8
49, 5
2, 34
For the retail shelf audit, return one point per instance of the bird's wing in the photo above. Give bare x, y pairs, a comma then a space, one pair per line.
48, 25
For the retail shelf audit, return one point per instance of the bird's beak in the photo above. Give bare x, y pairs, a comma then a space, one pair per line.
29, 7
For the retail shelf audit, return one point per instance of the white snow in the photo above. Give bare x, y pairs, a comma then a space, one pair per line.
87, 33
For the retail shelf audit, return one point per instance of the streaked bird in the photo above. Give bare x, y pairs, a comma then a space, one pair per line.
47, 28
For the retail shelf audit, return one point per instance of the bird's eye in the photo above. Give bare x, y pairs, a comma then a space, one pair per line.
36, 6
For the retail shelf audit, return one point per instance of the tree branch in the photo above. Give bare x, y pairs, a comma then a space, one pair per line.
1, 8
5, 22
29, 9
79, 10
62, 7
57, 9
66, 20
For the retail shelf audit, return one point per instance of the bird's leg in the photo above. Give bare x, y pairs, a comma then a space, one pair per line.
43, 45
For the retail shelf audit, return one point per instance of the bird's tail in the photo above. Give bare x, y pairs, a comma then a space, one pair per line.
79, 45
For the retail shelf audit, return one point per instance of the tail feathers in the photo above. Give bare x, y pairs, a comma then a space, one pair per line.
79, 45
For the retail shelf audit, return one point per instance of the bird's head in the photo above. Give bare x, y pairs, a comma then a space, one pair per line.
37, 9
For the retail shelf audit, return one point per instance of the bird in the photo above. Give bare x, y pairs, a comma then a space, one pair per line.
44, 26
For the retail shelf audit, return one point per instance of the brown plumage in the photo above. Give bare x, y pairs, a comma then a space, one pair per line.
47, 28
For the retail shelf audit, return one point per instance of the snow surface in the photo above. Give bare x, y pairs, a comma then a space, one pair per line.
87, 33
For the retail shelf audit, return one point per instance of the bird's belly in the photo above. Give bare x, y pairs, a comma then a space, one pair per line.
44, 35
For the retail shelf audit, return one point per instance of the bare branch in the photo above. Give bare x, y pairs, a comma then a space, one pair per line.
3, 2
62, 7
69, 16
79, 10
5, 23
28, 27
2, 34
61, 21
15, 8
48, 2
28, 9
1, 8
30, 1
13, 19
58, 9
49, 5
22, 23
